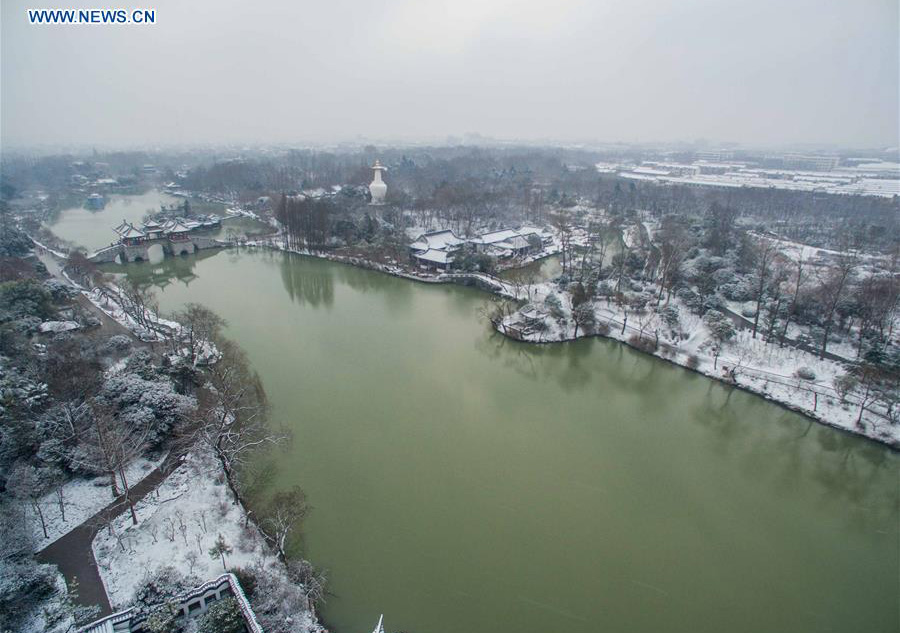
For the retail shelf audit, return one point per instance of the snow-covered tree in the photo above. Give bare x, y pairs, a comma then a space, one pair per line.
232, 416
283, 514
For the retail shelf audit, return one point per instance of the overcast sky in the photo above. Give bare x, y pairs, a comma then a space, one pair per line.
749, 71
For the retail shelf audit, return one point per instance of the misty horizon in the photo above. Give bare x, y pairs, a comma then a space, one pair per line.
757, 74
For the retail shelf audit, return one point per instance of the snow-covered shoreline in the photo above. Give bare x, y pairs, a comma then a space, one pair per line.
749, 364
785, 390
819, 402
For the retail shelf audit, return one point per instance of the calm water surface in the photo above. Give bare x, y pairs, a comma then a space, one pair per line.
462, 482
93, 228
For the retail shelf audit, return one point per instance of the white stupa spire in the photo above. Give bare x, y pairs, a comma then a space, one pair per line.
378, 189
379, 628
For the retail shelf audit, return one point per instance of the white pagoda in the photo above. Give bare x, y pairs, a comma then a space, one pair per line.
378, 189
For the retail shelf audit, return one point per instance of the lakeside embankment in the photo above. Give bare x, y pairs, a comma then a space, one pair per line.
210, 505
745, 364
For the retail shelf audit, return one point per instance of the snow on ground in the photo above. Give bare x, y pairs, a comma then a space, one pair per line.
236, 212
82, 498
58, 326
56, 253
114, 310
795, 250
178, 525
46, 615
185, 514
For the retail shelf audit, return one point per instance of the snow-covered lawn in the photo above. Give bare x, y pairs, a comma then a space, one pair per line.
178, 524
82, 498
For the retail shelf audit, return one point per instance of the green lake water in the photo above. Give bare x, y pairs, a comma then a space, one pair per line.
464, 482
93, 228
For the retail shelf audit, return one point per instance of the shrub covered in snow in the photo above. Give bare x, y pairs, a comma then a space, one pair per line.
59, 290
158, 595
719, 325
118, 343
139, 401
553, 305
805, 373
25, 298
223, 616
690, 298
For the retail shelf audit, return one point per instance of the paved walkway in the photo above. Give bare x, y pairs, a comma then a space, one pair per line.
72, 552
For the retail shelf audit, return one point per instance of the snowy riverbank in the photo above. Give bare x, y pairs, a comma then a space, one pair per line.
745, 362
177, 525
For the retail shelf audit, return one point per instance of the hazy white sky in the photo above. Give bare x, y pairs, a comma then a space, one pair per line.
751, 71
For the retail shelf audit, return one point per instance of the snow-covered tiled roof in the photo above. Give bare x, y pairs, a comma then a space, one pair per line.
514, 243
178, 227
435, 256
495, 236
436, 240
131, 232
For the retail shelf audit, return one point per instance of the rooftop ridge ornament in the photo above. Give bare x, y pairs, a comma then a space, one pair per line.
378, 189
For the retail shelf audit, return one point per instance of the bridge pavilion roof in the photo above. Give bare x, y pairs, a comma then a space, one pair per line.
177, 227
131, 232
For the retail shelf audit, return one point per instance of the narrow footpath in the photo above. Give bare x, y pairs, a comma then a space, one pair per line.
73, 553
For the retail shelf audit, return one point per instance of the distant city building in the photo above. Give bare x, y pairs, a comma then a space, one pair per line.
378, 189
817, 162
716, 156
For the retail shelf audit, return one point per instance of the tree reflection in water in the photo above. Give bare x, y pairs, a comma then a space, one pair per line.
307, 282
781, 451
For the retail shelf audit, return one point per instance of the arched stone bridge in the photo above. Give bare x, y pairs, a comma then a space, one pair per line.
140, 252
134, 243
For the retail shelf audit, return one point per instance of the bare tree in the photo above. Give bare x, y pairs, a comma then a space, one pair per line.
584, 318
199, 327
191, 558
284, 513
112, 444
799, 279
765, 255
562, 222
831, 291
312, 580
233, 410
29, 484
673, 242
